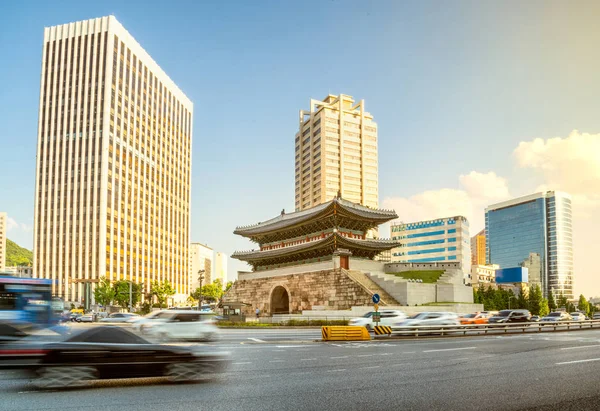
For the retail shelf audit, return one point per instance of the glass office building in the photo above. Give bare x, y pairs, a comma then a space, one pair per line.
534, 232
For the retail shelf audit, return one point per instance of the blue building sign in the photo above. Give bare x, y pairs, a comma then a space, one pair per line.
512, 275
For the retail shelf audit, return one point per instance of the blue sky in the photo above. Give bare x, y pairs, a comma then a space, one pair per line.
455, 87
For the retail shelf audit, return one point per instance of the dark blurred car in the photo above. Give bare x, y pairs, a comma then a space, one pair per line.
511, 316
70, 359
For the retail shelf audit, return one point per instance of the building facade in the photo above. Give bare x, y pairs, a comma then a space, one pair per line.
483, 274
444, 239
3, 227
336, 153
478, 248
113, 163
201, 259
534, 232
220, 271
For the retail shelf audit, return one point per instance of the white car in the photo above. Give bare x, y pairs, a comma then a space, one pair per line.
388, 317
118, 318
429, 319
86, 318
182, 325
138, 323
577, 316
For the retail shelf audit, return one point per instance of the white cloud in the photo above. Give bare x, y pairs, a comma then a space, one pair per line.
478, 190
13, 225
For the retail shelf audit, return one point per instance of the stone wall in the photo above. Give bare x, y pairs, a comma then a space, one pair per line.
329, 289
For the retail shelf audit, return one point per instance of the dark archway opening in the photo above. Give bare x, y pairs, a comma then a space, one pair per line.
280, 301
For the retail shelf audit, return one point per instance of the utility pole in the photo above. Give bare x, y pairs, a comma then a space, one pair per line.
200, 279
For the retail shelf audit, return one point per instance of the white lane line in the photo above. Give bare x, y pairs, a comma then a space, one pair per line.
241, 363
581, 346
338, 358
409, 352
386, 353
340, 370
257, 340
308, 359
368, 368
578, 361
460, 359
400, 364
451, 349
278, 350
277, 361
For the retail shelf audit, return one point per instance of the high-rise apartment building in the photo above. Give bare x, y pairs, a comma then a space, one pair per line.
113, 163
201, 259
444, 239
3, 228
220, 271
478, 248
336, 152
535, 232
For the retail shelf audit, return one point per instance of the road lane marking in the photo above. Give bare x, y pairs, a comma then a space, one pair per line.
290, 346
257, 340
340, 370
451, 349
578, 361
365, 355
308, 359
400, 364
337, 358
368, 368
277, 361
581, 346
409, 352
241, 363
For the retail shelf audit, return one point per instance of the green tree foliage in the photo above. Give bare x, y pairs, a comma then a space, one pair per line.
121, 289
583, 305
551, 303
162, 291
104, 293
210, 292
228, 286
522, 301
561, 301
16, 255
570, 307
544, 309
535, 300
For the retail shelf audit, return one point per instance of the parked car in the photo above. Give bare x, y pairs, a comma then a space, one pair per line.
476, 318
118, 318
70, 359
556, 316
511, 316
429, 319
388, 317
577, 316
182, 325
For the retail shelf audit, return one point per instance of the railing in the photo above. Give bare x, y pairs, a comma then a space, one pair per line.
477, 329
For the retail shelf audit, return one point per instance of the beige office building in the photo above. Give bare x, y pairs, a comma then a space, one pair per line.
113, 163
220, 271
336, 152
201, 259
3, 228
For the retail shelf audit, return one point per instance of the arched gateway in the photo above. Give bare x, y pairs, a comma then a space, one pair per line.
280, 301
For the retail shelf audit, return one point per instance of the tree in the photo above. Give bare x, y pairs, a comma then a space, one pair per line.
551, 303
583, 305
544, 309
535, 300
121, 289
104, 294
161, 291
562, 301
16, 255
522, 300
570, 307
210, 292
228, 286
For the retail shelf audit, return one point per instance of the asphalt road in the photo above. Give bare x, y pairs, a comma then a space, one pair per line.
547, 371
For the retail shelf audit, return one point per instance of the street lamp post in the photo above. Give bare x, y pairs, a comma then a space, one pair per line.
200, 279
510, 297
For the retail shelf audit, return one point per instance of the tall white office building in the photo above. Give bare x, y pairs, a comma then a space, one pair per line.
112, 195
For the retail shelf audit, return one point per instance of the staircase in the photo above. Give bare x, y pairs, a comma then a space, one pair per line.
364, 280
391, 284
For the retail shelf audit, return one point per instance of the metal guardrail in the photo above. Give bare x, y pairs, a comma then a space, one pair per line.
418, 331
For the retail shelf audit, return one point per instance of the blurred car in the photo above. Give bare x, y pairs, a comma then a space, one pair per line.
429, 319
182, 325
86, 318
101, 314
511, 316
75, 316
139, 321
577, 316
476, 318
596, 316
388, 317
535, 318
556, 316
118, 318
70, 359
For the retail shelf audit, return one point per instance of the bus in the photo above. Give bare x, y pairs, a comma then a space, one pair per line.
27, 300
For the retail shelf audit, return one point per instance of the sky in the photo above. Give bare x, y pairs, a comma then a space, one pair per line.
476, 102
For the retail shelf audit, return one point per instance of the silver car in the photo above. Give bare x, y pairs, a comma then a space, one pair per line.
387, 317
118, 318
557, 316
438, 318
577, 316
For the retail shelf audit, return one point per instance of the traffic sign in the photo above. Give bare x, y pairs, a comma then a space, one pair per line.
376, 298
376, 316
376, 306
